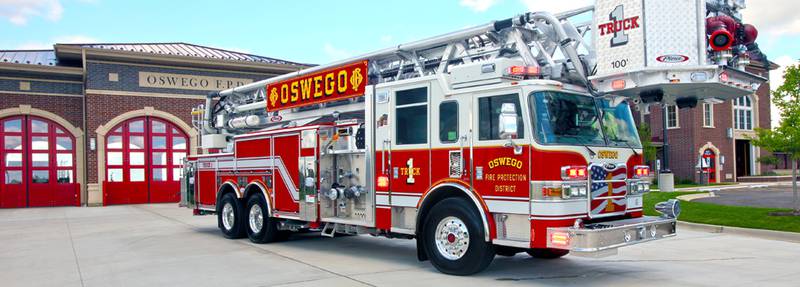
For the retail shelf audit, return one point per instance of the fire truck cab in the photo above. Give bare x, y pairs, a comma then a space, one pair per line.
468, 143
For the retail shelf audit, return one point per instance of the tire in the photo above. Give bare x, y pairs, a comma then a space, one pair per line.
547, 253
229, 217
261, 228
507, 250
448, 218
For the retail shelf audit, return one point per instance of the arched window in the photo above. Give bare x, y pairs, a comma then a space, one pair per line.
743, 113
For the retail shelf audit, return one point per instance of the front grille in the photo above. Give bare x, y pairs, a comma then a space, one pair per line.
607, 189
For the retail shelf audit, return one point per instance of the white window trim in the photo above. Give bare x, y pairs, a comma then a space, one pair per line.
711, 114
677, 118
746, 109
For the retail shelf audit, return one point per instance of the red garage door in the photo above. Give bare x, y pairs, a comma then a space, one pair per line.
37, 163
143, 162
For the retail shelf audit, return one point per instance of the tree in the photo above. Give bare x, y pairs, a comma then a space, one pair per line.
786, 137
645, 136
769, 160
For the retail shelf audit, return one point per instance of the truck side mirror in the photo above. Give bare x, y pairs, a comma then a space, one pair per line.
508, 121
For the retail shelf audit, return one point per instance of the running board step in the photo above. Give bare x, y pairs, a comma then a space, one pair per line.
332, 229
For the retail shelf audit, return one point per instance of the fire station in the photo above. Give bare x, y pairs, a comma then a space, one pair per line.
102, 124
714, 136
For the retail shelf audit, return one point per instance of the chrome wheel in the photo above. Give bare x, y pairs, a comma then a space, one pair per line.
452, 238
228, 216
256, 218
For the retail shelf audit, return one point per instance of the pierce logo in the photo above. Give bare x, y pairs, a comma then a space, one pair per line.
672, 58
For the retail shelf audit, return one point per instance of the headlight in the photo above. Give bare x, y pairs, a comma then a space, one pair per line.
639, 187
573, 190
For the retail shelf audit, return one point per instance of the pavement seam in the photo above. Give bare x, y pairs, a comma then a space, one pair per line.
74, 252
262, 249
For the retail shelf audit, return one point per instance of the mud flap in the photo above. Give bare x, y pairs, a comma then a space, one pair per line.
421, 254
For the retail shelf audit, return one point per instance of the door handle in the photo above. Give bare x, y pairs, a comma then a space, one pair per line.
384, 144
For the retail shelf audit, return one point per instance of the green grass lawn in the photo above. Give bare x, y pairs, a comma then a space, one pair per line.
707, 213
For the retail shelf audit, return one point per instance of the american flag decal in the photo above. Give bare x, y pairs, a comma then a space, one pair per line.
608, 189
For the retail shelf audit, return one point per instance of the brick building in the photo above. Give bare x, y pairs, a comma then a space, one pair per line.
108, 123
714, 135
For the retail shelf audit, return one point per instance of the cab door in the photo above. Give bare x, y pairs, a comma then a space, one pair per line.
451, 139
501, 159
410, 144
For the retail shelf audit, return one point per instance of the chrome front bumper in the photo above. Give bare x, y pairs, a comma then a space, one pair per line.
610, 235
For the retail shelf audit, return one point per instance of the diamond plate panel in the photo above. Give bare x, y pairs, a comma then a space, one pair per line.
619, 51
674, 32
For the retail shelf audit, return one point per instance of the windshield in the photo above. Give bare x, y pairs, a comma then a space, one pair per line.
563, 118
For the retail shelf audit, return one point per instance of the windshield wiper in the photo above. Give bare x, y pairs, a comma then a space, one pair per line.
580, 142
627, 144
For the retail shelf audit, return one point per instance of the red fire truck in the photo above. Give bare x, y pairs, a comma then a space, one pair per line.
515, 136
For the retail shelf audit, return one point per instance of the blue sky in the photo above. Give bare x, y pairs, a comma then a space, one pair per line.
308, 31
304, 31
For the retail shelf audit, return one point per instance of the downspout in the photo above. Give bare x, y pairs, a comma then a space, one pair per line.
86, 137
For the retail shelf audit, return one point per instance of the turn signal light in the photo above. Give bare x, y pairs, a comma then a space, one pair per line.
559, 238
618, 84
574, 173
551, 191
641, 171
383, 182
522, 71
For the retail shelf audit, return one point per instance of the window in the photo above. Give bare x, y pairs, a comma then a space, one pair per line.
13, 143
13, 177
488, 113
743, 113
708, 115
12, 126
412, 116
40, 176
448, 122
672, 117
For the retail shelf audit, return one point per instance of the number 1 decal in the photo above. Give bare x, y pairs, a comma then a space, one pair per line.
616, 17
410, 165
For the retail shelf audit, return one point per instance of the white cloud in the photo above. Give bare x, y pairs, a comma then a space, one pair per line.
18, 12
773, 18
478, 5
334, 53
66, 39
555, 6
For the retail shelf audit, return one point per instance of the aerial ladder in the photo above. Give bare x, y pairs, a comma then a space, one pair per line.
711, 64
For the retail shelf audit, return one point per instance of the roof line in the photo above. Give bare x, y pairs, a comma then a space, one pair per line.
243, 53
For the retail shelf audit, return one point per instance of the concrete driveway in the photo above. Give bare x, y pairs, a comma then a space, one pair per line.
163, 245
